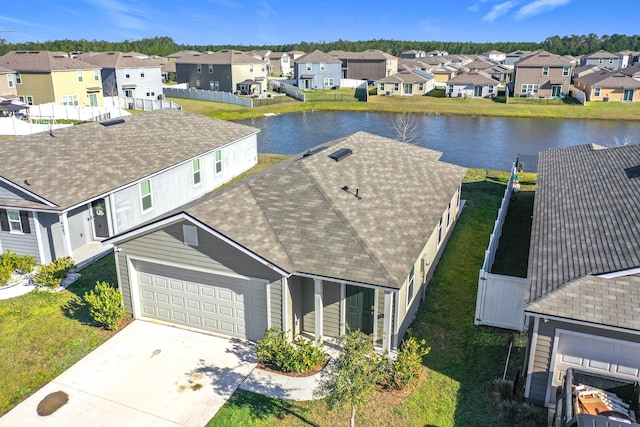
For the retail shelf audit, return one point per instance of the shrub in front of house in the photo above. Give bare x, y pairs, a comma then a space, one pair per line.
51, 275
405, 369
5, 273
105, 305
23, 263
300, 355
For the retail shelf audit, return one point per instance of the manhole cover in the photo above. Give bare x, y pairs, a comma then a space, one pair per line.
52, 402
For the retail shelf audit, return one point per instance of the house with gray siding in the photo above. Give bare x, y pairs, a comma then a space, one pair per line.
64, 192
127, 75
475, 83
602, 58
372, 64
583, 281
317, 70
329, 241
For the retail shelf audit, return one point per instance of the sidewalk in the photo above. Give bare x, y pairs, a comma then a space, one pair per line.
281, 386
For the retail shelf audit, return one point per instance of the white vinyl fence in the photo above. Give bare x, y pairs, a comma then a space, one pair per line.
579, 95
207, 95
147, 104
500, 299
284, 87
15, 127
75, 112
352, 83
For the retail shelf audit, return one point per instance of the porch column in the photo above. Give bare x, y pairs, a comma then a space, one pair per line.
387, 330
318, 307
285, 308
66, 238
114, 218
36, 224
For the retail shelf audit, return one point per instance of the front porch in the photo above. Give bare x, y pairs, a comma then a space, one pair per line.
90, 252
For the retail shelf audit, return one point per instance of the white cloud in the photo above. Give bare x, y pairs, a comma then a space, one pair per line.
499, 10
475, 7
539, 6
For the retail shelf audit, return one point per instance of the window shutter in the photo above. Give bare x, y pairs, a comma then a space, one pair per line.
24, 219
4, 220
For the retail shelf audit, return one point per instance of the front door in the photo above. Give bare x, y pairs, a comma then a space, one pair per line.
556, 91
93, 100
477, 91
360, 303
628, 95
307, 83
408, 88
99, 214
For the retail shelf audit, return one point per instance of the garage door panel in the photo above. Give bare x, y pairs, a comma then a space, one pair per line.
221, 304
628, 370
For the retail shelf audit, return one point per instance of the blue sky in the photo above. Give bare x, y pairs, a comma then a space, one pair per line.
260, 22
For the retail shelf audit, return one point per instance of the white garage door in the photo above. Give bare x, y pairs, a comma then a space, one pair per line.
225, 305
604, 356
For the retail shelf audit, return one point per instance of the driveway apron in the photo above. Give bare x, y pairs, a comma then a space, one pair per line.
146, 375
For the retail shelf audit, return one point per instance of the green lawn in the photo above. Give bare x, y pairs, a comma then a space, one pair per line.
464, 360
44, 333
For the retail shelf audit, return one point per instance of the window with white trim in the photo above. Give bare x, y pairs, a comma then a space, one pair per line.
141, 72
251, 68
145, 195
381, 86
530, 88
323, 66
308, 66
600, 61
20, 98
195, 165
448, 214
29, 100
210, 68
190, 234
490, 88
80, 76
328, 82
69, 100
545, 71
565, 71
150, 91
596, 91
15, 225
127, 73
10, 81
96, 75
410, 286
396, 87
18, 78
128, 93
420, 87
439, 232
199, 68
218, 161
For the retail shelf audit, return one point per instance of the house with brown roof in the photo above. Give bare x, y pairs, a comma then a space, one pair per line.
406, 83
281, 64
127, 75
606, 85
54, 77
225, 71
582, 296
372, 64
62, 193
329, 241
542, 74
477, 84
317, 70
602, 58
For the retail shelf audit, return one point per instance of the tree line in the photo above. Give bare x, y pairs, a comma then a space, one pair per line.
163, 46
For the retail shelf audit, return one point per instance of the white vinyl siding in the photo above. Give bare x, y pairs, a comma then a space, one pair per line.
196, 172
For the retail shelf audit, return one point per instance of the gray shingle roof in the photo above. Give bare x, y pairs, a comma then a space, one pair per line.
297, 216
222, 57
87, 160
43, 61
117, 60
542, 58
609, 79
609, 302
601, 54
6, 70
586, 218
405, 77
317, 56
473, 78
369, 54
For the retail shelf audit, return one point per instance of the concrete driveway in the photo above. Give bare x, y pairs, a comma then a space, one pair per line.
146, 375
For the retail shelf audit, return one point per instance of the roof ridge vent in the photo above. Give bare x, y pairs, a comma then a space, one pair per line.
341, 154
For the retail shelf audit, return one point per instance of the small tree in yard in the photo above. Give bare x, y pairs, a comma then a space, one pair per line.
353, 375
406, 126
105, 305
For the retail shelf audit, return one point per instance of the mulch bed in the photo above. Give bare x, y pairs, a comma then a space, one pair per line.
314, 371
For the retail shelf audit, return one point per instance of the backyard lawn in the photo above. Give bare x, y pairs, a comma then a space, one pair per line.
43, 333
455, 389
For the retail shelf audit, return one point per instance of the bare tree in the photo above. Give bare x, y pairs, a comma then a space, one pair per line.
406, 126
621, 142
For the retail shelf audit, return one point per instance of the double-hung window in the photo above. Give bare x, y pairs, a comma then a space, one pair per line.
565, 71
308, 66
15, 225
323, 66
218, 162
18, 78
545, 71
10, 81
96, 75
439, 232
145, 195
127, 73
410, 286
142, 72
80, 76
14, 221
596, 91
196, 171
199, 68
210, 68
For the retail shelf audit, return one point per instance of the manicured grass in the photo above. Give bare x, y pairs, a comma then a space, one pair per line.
423, 105
44, 333
464, 360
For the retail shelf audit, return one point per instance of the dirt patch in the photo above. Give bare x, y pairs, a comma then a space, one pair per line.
52, 402
314, 371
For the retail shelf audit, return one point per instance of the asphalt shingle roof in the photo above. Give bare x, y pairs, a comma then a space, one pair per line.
473, 78
609, 302
87, 160
586, 218
297, 215
118, 60
43, 61
222, 57
543, 58
609, 79
317, 56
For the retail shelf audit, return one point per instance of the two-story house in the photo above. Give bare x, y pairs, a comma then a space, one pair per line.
222, 71
280, 64
54, 77
602, 58
317, 70
542, 74
62, 193
371, 64
8, 88
127, 75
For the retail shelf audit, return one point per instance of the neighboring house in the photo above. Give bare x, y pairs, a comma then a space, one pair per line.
495, 56
330, 241
477, 84
479, 64
62, 193
413, 54
44, 77
437, 53
281, 64
584, 70
459, 59
584, 267
175, 56
632, 71
221, 71
604, 59
127, 75
8, 85
542, 74
500, 73
372, 64
317, 70
443, 74
513, 57
609, 86
407, 83
625, 58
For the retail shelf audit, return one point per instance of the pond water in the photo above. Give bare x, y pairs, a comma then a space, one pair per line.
471, 141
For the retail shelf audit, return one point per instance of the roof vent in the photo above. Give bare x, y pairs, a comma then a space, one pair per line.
112, 122
341, 154
633, 172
